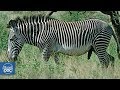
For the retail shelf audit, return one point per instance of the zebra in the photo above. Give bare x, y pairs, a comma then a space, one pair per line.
55, 36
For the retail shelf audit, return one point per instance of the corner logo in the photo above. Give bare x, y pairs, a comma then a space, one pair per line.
7, 68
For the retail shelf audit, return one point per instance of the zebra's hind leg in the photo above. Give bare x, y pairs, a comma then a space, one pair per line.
104, 58
46, 54
112, 59
56, 58
100, 44
100, 51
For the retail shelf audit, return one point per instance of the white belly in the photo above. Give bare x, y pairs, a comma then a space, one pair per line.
73, 50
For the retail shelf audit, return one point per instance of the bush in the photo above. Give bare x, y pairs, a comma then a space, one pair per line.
3, 31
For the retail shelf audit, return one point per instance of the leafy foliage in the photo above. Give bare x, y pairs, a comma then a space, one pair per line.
3, 32
82, 15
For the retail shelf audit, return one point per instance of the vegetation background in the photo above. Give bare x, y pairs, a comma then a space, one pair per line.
30, 65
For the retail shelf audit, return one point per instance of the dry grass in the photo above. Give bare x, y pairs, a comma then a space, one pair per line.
31, 66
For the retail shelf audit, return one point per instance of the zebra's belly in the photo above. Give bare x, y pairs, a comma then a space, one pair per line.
73, 50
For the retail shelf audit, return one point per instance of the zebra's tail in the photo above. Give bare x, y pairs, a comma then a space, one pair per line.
118, 44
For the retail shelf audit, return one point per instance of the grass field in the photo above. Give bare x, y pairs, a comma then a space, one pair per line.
30, 65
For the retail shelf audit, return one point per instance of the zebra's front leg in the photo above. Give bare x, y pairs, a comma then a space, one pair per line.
56, 58
46, 54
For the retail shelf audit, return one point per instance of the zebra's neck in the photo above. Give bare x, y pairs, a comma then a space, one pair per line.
32, 34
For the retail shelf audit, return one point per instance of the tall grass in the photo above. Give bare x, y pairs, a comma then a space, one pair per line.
30, 65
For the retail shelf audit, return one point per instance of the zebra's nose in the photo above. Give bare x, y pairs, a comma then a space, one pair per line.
8, 55
12, 57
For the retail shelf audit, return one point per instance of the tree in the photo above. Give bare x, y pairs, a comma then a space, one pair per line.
50, 13
114, 16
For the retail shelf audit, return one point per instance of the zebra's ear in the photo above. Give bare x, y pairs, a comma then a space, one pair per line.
12, 23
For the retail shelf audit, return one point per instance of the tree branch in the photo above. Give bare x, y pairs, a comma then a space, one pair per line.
50, 13
114, 16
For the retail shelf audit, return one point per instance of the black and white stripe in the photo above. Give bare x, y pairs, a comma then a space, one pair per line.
67, 37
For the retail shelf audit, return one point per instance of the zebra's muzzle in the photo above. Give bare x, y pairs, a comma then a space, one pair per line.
11, 57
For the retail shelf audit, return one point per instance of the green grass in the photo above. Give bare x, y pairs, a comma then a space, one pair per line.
30, 64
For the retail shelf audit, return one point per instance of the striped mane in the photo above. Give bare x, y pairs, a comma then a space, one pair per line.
34, 18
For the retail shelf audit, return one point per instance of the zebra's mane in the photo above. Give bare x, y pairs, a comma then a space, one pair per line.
34, 18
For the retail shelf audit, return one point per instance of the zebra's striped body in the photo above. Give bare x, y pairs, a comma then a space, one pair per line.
72, 38
75, 38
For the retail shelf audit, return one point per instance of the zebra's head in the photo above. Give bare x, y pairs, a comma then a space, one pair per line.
15, 41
